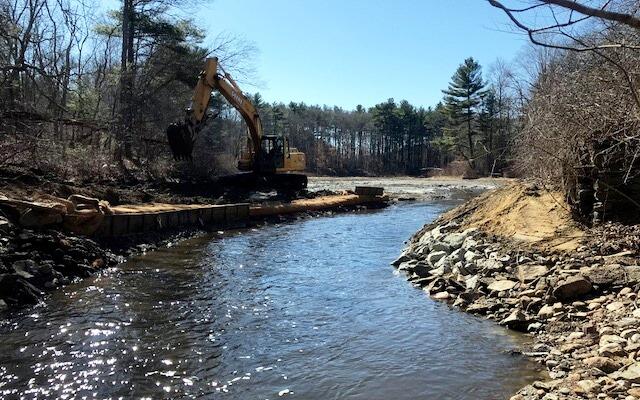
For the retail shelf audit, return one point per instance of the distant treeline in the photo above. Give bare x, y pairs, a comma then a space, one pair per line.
389, 138
474, 123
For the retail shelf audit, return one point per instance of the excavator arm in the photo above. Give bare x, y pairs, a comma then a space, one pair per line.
181, 135
211, 80
266, 154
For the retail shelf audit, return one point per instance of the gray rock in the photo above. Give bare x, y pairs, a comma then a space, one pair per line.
529, 272
612, 274
490, 264
439, 246
604, 364
471, 267
456, 256
546, 312
471, 256
604, 275
23, 268
502, 285
435, 256
631, 373
14, 289
482, 306
611, 350
587, 386
472, 283
421, 269
615, 306
534, 327
451, 226
606, 339
436, 232
454, 240
517, 320
5, 225
403, 258
572, 288
470, 244
407, 265
444, 295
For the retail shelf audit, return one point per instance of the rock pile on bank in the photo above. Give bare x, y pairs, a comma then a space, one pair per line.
35, 261
581, 306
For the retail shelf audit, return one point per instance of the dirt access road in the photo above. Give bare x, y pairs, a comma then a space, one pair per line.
411, 188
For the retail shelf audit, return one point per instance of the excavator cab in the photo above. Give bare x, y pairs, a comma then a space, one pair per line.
275, 156
272, 153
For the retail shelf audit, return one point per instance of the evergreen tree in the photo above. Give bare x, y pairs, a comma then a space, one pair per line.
462, 100
487, 123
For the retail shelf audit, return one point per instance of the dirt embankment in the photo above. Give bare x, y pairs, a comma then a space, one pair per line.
514, 255
522, 212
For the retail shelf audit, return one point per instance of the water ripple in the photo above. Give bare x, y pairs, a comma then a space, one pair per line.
307, 310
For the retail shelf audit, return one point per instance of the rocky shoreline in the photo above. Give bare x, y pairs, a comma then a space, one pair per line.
580, 307
33, 262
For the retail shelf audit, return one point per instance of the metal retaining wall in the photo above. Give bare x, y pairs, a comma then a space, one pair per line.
223, 216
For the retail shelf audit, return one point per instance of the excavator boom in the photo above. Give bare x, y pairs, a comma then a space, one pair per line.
264, 155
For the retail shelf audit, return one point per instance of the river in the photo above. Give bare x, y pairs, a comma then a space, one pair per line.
309, 309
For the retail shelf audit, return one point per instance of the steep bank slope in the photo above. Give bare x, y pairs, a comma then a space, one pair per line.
515, 256
522, 212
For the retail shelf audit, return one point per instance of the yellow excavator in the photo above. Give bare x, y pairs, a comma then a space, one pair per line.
269, 158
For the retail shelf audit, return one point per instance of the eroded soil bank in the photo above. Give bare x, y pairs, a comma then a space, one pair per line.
515, 256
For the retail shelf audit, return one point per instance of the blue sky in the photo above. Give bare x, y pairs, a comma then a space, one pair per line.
349, 52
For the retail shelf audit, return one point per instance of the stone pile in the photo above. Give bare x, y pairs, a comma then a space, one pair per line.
35, 261
580, 307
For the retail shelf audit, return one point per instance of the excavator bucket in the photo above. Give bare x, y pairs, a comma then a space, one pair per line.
180, 141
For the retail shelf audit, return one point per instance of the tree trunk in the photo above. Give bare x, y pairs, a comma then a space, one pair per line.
126, 80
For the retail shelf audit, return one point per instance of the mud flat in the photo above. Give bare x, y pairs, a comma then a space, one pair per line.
515, 256
411, 188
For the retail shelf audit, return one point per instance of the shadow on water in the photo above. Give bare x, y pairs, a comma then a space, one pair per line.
310, 309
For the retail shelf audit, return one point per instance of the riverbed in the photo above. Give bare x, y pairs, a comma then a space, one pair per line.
309, 309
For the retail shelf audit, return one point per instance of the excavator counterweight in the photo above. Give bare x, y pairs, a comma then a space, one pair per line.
265, 156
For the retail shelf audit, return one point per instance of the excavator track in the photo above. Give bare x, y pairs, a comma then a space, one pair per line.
251, 181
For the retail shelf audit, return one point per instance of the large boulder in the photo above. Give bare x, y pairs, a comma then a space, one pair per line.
490, 264
502, 285
573, 287
440, 246
435, 256
14, 289
530, 272
605, 275
612, 274
402, 259
421, 269
604, 364
517, 320
454, 240
631, 373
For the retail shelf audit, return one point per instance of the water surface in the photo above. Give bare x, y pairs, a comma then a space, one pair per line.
308, 310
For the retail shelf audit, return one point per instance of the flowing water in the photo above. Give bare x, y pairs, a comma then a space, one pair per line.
308, 310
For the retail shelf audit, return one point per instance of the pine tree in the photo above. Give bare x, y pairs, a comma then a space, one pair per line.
462, 100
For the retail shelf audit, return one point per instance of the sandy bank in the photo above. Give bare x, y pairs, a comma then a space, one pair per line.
515, 256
